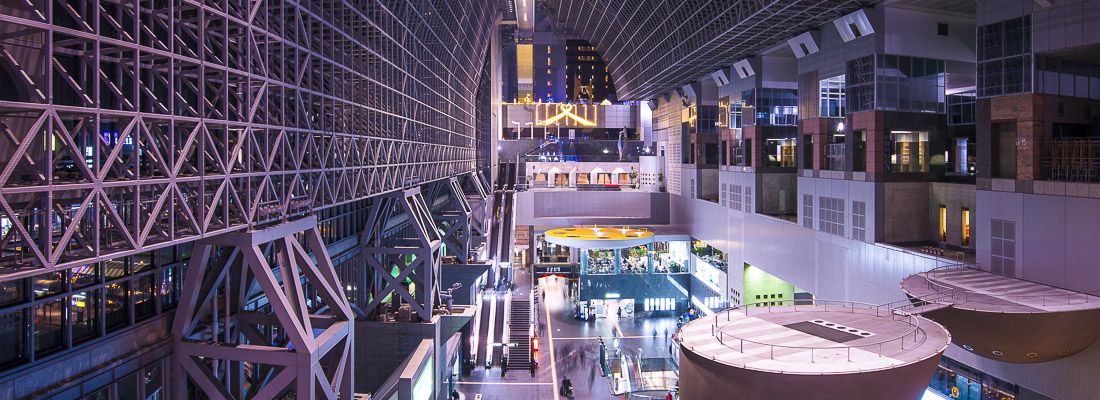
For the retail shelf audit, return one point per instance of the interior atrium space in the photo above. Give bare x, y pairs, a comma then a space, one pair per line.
549, 199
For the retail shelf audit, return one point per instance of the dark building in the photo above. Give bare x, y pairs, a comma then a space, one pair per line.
587, 77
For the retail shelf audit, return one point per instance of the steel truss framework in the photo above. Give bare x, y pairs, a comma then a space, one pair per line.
653, 47
234, 347
130, 125
404, 264
452, 218
478, 197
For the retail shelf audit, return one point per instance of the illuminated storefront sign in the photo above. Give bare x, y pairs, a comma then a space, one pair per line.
548, 114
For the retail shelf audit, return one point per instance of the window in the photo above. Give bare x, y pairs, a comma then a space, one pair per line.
941, 29
909, 84
735, 197
117, 309
48, 326
1003, 247
1004, 57
722, 195
943, 223
832, 97
966, 227
860, 84
748, 198
830, 210
859, 220
808, 211
143, 297
11, 329
83, 315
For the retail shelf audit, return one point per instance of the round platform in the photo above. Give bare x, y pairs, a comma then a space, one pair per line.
1005, 318
823, 349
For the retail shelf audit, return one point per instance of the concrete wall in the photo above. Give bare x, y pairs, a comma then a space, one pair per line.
567, 208
1057, 245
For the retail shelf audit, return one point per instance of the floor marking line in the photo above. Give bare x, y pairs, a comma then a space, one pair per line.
501, 383
553, 362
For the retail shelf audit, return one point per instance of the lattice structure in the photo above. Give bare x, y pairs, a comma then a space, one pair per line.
405, 264
232, 346
452, 219
130, 125
652, 47
478, 197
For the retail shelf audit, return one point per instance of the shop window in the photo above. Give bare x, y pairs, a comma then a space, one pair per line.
909, 152
943, 223
966, 227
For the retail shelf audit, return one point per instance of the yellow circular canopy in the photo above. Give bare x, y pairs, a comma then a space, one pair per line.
599, 237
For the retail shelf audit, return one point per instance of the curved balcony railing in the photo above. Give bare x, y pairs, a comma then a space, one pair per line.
971, 299
894, 344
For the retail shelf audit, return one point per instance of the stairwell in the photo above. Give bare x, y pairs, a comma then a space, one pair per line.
519, 328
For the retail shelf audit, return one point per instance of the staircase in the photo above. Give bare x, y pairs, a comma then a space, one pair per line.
519, 327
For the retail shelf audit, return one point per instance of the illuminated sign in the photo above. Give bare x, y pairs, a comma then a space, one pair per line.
724, 112
689, 115
566, 114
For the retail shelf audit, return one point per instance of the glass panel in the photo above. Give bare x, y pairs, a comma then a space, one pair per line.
154, 382
143, 297
142, 261
11, 292
117, 310
85, 275
169, 287
114, 269
48, 326
127, 388
48, 284
11, 329
82, 313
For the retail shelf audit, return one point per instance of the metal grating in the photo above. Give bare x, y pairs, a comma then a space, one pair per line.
652, 47
130, 125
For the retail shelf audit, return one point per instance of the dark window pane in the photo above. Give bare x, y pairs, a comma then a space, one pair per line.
11, 292
114, 269
82, 310
169, 287
154, 382
142, 261
143, 297
127, 388
48, 284
11, 329
116, 306
47, 326
82, 276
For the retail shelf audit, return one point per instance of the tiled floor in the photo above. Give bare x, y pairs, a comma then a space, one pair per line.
575, 354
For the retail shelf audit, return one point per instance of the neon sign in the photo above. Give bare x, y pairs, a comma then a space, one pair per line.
571, 113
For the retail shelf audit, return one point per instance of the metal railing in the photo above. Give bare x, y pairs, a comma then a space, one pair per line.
1000, 302
1072, 160
817, 354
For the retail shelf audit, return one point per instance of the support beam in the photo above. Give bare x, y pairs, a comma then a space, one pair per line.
245, 306
404, 264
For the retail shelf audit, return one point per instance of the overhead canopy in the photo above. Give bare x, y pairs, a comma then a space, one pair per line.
599, 237
652, 47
